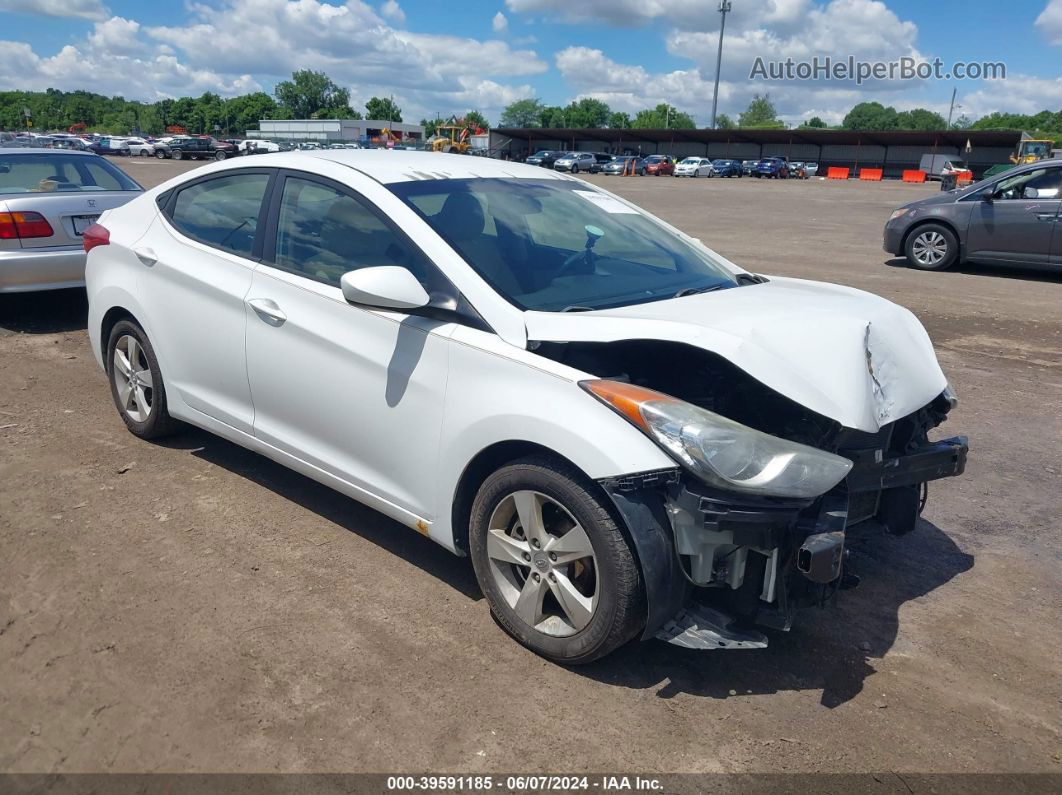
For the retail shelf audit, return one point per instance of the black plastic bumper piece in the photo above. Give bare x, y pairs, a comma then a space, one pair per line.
943, 459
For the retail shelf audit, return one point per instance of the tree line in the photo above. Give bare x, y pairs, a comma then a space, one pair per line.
309, 94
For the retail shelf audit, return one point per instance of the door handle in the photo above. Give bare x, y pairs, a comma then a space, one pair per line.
1046, 217
146, 255
267, 310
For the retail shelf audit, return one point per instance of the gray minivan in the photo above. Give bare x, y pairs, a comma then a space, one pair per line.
1011, 219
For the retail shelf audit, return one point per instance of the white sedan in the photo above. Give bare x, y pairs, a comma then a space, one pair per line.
631, 436
694, 167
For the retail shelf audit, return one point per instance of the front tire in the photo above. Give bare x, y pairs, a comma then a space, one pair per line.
177, 154
932, 247
220, 155
160, 154
136, 382
552, 562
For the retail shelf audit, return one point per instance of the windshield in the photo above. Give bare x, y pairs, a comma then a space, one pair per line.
691, 161
556, 245
54, 172
543, 153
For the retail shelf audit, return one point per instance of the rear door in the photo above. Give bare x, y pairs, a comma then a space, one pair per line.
198, 257
1018, 225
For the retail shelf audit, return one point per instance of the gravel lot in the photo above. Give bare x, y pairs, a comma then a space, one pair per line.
190, 606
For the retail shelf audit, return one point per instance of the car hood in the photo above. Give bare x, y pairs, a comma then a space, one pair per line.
944, 197
843, 353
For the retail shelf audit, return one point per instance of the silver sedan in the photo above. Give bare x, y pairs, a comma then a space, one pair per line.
48, 198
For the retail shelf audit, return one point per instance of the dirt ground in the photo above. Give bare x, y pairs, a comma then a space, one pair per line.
190, 606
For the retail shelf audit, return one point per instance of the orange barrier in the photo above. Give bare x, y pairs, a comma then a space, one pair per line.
871, 174
835, 172
914, 175
963, 178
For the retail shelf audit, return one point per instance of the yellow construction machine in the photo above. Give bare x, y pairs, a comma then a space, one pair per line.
450, 138
1032, 149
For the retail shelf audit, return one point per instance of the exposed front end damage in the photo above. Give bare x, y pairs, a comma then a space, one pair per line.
742, 562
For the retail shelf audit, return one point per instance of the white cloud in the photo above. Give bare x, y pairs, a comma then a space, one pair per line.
392, 10
499, 23
1050, 21
217, 52
83, 9
699, 14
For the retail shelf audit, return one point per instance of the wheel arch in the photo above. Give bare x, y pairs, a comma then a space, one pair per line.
947, 223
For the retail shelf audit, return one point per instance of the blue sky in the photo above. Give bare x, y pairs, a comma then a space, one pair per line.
449, 57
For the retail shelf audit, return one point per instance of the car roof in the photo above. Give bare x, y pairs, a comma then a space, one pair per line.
39, 150
390, 166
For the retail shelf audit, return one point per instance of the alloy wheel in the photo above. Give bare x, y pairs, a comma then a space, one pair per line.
543, 563
132, 378
929, 248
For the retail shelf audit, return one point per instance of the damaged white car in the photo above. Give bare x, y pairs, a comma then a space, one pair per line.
631, 436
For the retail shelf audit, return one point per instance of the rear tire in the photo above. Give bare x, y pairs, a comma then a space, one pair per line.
932, 247
178, 154
220, 155
136, 382
524, 574
161, 155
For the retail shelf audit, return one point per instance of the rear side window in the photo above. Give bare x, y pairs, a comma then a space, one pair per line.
59, 172
222, 212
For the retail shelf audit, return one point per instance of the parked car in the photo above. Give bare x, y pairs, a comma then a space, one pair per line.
748, 167
48, 198
725, 167
659, 166
199, 149
601, 159
695, 167
545, 158
575, 162
1010, 219
797, 170
624, 450
73, 144
811, 169
254, 146
139, 147
110, 146
937, 165
772, 168
623, 163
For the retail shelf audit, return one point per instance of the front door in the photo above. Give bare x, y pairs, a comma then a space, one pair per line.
1018, 224
353, 391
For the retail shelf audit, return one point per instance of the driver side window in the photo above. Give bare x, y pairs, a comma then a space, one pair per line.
322, 233
1043, 183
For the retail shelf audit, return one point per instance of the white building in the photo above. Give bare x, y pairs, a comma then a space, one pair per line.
331, 130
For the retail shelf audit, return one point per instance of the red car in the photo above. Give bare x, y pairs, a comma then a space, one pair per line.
659, 165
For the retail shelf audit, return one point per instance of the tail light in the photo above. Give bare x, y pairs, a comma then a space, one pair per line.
95, 235
16, 226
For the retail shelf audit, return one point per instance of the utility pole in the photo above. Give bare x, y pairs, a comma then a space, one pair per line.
724, 9
951, 110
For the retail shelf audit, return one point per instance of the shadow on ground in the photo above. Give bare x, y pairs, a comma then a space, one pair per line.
829, 648
333, 506
826, 649
47, 312
1022, 272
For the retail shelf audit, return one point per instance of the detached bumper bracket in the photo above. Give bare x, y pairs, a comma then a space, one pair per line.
943, 459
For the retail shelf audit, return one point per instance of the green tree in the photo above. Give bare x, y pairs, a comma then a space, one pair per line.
724, 122
815, 122
244, 112
309, 93
618, 120
962, 123
383, 109
476, 119
663, 116
760, 114
522, 113
920, 119
553, 117
871, 116
587, 112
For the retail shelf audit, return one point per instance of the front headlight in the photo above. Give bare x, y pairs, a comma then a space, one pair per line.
898, 214
720, 451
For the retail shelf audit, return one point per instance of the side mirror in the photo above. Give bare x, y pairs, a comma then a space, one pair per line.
987, 195
383, 287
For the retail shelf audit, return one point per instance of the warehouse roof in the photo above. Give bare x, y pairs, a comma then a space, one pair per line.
803, 135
